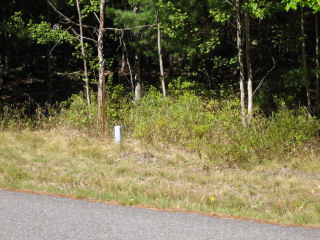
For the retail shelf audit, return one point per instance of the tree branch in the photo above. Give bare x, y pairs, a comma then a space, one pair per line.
229, 3
57, 42
264, 77
67, 19
131, 28
96, 17
87, 38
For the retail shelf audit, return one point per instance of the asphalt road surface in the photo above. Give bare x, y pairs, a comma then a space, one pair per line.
29, 216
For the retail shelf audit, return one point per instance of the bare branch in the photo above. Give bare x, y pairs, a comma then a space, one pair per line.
123, 43
264, 77
67, 19
56, 44
87, 38
131, 28
229, 3
96, 17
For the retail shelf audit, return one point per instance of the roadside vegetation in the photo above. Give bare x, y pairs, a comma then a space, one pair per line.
182, 152
219, 103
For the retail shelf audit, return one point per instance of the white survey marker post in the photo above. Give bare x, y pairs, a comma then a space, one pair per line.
117, 134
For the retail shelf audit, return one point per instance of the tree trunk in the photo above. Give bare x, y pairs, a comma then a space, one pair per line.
249, 67
304, 59
241, 61
83, 53
317, 63
171, 67
130, 72
101, 81
123, 61
1, 71
137, 65
163, 84
4, 66
137, 77
48, 64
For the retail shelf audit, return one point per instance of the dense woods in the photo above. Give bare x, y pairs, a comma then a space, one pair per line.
265, 53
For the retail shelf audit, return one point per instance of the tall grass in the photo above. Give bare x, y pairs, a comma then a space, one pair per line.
212, 128
28, 115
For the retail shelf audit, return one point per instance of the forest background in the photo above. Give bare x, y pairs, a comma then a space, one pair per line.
219, 100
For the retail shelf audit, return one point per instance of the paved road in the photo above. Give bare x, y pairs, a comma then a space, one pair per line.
29, 216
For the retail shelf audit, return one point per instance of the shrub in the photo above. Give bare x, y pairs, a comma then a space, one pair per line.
75, 113
214, 128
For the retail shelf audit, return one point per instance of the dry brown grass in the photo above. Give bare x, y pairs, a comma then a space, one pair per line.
68, 162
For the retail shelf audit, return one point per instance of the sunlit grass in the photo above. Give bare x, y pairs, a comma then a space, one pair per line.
157, 175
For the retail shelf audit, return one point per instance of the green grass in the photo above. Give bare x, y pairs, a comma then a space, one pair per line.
162, 175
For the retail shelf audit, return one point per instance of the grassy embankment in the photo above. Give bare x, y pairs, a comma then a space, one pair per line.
177, 154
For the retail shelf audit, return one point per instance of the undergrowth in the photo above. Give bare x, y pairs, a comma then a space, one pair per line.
212, 128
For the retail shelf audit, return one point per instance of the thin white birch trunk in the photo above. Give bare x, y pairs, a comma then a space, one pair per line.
83, 53
137, 76
101, 81
48, 64
317, 62
304, 59
249, 68
163, 84
241, 62
137, 65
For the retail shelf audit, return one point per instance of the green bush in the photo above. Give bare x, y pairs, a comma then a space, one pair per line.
214, 128
176, 121
75, 113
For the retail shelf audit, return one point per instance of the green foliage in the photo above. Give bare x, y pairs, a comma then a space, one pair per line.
43, 33
215, 131
122, 18
212, 128
156, 118
75, 113
90, 7
285, 38
293, 4
118, 103
14, 26
91, 58
219, 15
183, 85
262, 8
176, 21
